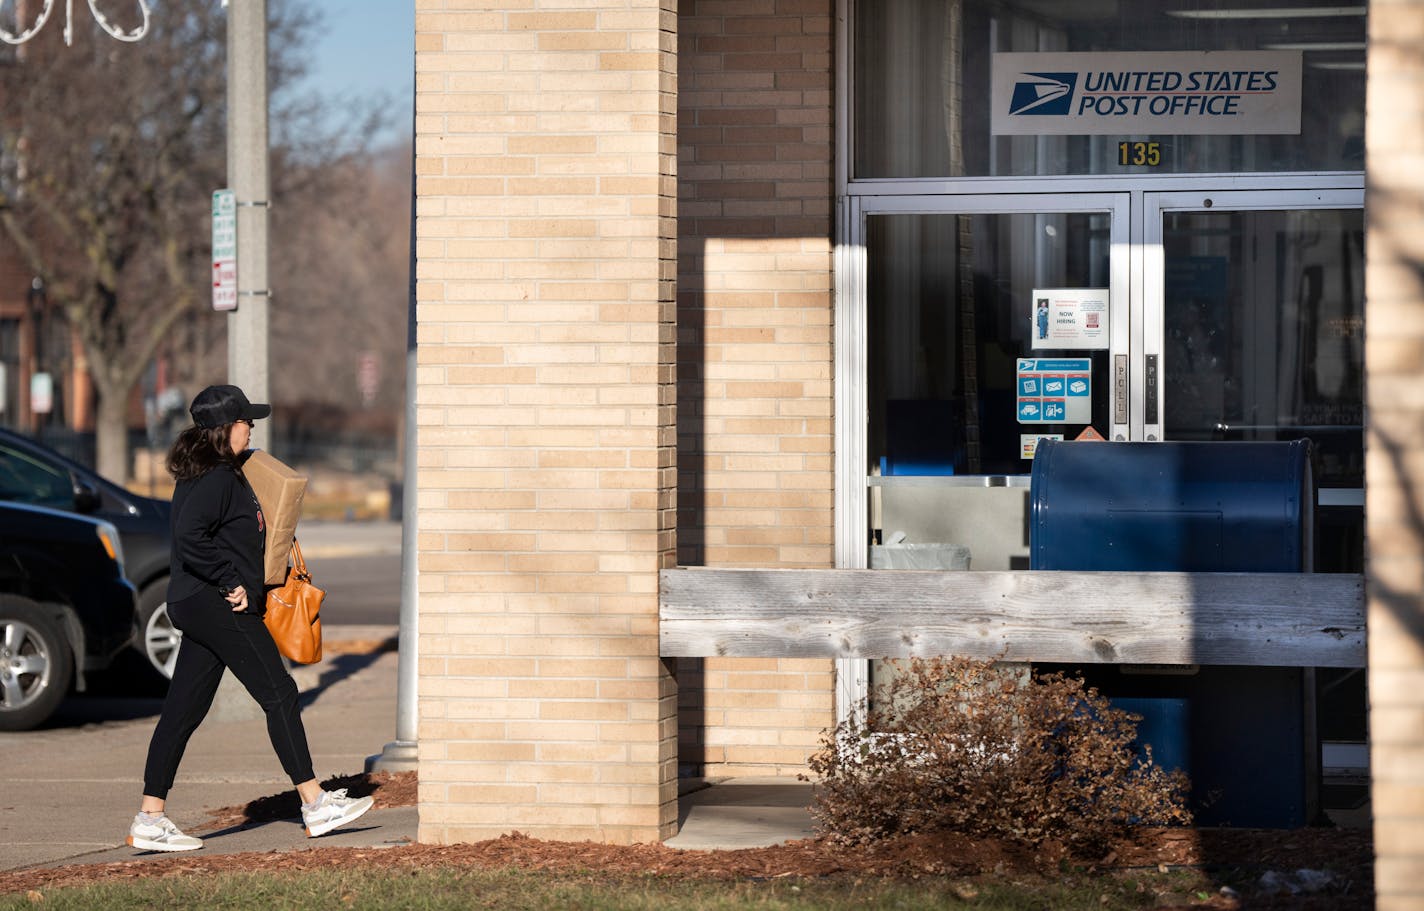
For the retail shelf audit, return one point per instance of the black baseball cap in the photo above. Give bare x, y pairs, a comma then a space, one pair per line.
219, 405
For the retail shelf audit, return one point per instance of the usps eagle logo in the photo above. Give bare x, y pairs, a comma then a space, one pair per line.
1043, 93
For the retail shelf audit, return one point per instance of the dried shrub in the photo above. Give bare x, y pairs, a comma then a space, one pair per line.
986, 750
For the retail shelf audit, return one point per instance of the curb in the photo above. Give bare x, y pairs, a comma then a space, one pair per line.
356, 632
334, 551
328, 540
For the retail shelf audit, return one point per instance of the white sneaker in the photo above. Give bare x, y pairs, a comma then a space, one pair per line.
162, 835
334, 809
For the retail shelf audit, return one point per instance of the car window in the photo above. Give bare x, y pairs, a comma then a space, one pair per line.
25, 480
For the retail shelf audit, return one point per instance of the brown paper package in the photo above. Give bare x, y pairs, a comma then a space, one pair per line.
279, 491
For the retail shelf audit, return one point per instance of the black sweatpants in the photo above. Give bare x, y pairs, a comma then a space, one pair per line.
214, 638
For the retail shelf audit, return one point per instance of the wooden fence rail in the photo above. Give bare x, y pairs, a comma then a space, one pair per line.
1260, 619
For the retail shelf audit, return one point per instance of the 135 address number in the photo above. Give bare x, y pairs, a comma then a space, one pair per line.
1148, 154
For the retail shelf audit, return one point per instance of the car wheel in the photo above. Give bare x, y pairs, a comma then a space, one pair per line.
158, 638
36, 664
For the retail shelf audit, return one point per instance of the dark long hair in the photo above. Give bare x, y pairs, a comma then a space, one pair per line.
199, 450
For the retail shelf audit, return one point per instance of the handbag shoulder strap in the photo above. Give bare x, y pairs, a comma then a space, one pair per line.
297, 561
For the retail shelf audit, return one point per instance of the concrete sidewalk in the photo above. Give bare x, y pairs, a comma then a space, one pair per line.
71, 789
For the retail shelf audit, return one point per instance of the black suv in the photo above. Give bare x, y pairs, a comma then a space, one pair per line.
65, 607
37, 475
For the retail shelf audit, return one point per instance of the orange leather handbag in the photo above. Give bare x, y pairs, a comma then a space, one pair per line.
294, 613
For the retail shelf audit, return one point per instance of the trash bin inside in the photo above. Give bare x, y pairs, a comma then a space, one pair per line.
919, 556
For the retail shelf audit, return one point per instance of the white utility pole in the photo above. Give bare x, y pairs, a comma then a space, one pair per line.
247, 177
401, 754
248, 180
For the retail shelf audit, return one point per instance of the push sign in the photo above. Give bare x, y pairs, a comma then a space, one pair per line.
1055, 391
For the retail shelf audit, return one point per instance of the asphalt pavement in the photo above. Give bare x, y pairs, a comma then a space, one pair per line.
359, 566
72, 787
323, 540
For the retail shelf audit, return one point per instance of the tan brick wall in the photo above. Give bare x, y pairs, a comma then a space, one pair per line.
546, 212
1394, 509
755, 392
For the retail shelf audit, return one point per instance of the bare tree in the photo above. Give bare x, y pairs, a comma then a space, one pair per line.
111, 152
340, 285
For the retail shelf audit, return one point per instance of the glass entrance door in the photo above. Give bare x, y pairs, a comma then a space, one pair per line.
1232, 315
976, 325
1254, 330
988, 322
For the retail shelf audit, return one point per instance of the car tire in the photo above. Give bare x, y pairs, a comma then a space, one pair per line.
36, 663
158, 639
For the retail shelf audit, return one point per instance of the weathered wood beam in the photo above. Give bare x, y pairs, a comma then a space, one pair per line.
1260, 619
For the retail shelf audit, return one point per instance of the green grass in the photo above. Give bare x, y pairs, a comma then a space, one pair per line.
513, 890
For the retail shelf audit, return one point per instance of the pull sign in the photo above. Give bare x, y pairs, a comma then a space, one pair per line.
1150, 382
1120, 389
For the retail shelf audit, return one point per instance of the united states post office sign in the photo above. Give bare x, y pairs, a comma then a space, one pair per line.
1132, 94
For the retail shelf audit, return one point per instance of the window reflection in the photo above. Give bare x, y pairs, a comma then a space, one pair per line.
1264, 331
921, 84
950, 311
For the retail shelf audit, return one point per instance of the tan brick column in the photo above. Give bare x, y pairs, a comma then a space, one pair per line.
546, 233
756, 441
1394, 508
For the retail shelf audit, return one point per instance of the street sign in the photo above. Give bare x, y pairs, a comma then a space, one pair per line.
368, 375
41, 393
224, 250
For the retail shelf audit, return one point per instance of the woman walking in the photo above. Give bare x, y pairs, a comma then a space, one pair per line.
216, 597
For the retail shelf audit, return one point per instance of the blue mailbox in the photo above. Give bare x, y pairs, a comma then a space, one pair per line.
1172, 507
1240, 733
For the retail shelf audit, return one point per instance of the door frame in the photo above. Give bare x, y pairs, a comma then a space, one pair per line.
852, 335
1136, 265
852, 338
1000, 195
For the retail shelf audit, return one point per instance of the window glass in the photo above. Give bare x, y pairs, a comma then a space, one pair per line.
950, 312
922, 85
1264, 331
1264, 340
24, 480
10, 364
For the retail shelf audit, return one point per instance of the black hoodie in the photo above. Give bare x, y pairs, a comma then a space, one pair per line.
219, 537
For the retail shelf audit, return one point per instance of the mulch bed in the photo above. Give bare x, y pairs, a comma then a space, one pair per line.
392, 789
1248, 853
